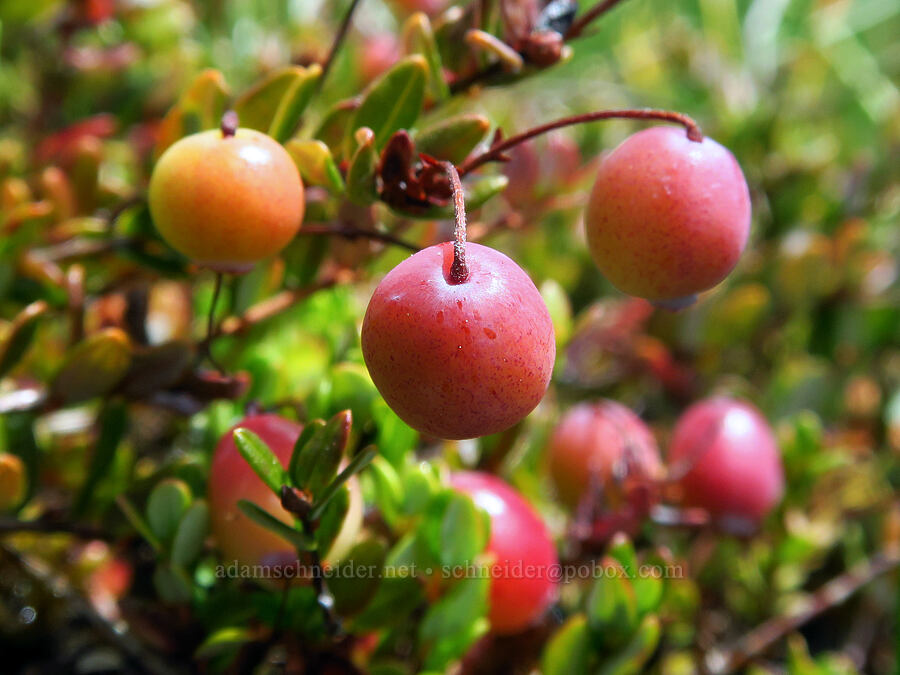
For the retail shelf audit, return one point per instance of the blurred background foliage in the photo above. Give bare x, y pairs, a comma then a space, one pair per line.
804, 92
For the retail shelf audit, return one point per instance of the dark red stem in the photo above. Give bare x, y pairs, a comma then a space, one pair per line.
588, 17
459, 271
497, 150
229, 124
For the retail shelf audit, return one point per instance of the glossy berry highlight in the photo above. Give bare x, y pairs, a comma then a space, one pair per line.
668, 216
231, 479
728, 460
459, 360
525, 566
227, 200
597, 442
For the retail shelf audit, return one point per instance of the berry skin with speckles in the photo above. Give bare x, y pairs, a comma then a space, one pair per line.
459, 360
668, 217
729, 460
525, 567
227, 202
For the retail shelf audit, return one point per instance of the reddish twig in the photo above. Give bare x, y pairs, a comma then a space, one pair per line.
833, 593
497, 150
459, 271
589, 17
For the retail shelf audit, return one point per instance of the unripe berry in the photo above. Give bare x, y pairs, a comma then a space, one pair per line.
668, 216
231, 479
524, 567
227, 201
598, 442
731, 460
459, 360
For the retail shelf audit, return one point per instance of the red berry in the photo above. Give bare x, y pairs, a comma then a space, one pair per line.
459, 360
227, 202
731, 458
668, 217
595, 442
231, 479
525, 567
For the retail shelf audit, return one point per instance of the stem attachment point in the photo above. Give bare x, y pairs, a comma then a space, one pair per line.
229, 125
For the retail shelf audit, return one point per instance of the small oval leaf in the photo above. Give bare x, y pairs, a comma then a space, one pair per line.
188, 542
394, 101
93, 367
166, 505
316, 165
453, 139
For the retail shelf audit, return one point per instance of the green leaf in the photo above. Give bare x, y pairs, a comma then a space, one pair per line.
294, 103
263, 518
166, 505
332, 519
310, 431
569, 650
399, 593
113, 423
261, 459
631, 659
361, 184
200, 107
171, 585
463, 532
137, 522
93, 367
319, 459
276, 102
396, 438
394, 101
455, 622
419, 486
453, 139
355, 580
388, 489
316, 165
335, 127
612, 606
223, 641
622, 550
188, 542
477, 192
20, 334
418, 37
359, 462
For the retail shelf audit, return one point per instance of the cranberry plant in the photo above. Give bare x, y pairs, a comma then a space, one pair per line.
421, 336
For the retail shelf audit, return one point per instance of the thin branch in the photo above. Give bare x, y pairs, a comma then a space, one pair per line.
205, 350
337, 42
589, 17
496, 151
351, 232
274, 305
832, 594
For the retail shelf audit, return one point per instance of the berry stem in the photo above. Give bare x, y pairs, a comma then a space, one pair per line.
229, 125
211, 324
496, 151
459, 271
